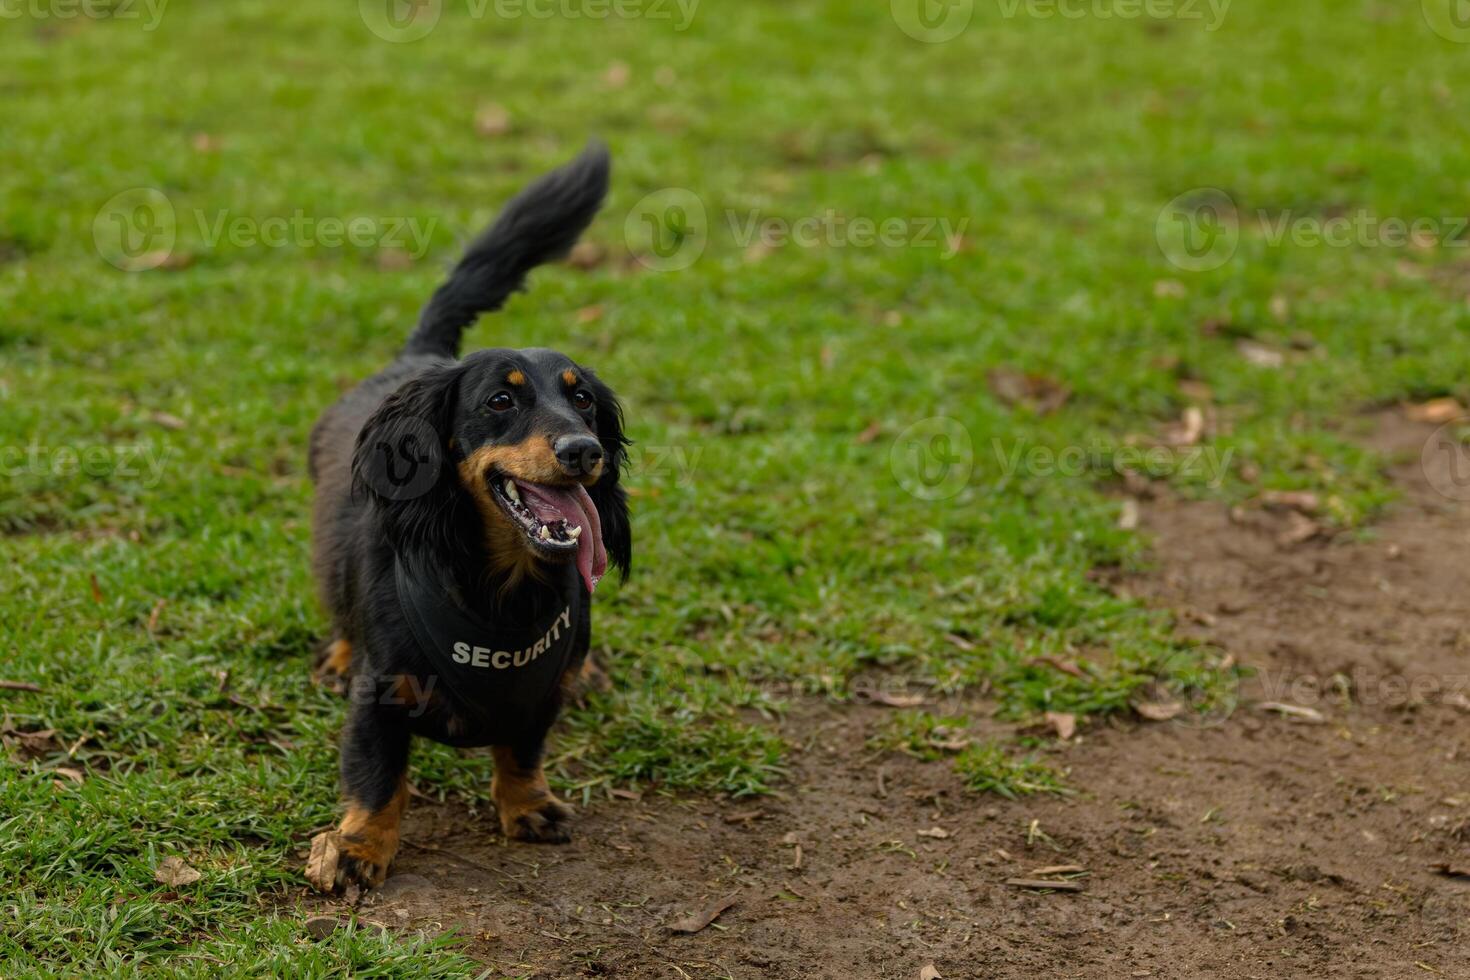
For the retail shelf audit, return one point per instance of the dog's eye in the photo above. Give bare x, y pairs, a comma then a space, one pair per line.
582, 399
501, 402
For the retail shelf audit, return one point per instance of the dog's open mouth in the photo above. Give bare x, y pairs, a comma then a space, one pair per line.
559, 522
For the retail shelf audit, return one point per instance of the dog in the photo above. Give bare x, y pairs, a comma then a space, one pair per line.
464, 512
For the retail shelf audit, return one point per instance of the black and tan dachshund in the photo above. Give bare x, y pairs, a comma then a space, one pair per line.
465, 510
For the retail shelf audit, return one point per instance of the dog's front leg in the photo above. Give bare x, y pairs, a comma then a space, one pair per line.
528, 810
375, 786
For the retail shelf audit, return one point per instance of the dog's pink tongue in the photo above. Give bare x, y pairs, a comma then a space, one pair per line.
576, 508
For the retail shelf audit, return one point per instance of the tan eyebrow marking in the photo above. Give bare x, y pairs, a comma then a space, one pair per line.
516, 378
569, 376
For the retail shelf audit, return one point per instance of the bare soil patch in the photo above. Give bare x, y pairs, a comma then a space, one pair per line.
1261, 845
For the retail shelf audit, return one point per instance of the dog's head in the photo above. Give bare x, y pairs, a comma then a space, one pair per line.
529, 450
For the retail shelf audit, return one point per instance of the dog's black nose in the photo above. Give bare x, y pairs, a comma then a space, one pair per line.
578, 455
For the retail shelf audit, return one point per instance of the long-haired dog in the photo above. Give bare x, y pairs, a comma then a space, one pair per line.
465, 510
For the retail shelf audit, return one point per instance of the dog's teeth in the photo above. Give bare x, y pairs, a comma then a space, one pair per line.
544, 534
512, 492
575, 532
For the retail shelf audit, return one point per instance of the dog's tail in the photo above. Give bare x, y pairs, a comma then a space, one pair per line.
539, 225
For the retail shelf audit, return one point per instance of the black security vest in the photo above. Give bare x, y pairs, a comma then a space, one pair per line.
504, 668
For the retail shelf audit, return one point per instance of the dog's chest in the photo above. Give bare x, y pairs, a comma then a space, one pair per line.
500, 675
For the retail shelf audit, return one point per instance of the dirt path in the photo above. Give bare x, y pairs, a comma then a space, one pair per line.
1264, 846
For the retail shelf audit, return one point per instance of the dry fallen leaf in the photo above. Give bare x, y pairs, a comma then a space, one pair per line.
321, 865
586, 255
1128, 515
617, 74
174, 872
1450, 870
699, 920
1259, 354
171, 422
153, 616
1063, 723
1037, 392
1169, 289
872, 431
1302, 500
1188, 430
930, 972
1041, 885
75, 775
1158, 710
492, 120
1065, 666
590, 314
1310, 715
1436, 410
1298, 529
894, 700
938, 833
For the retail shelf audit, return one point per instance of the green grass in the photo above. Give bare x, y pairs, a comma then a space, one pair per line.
991, 768
779, 554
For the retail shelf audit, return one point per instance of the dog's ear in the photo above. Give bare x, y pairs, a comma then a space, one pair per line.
608, 493
404, 464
